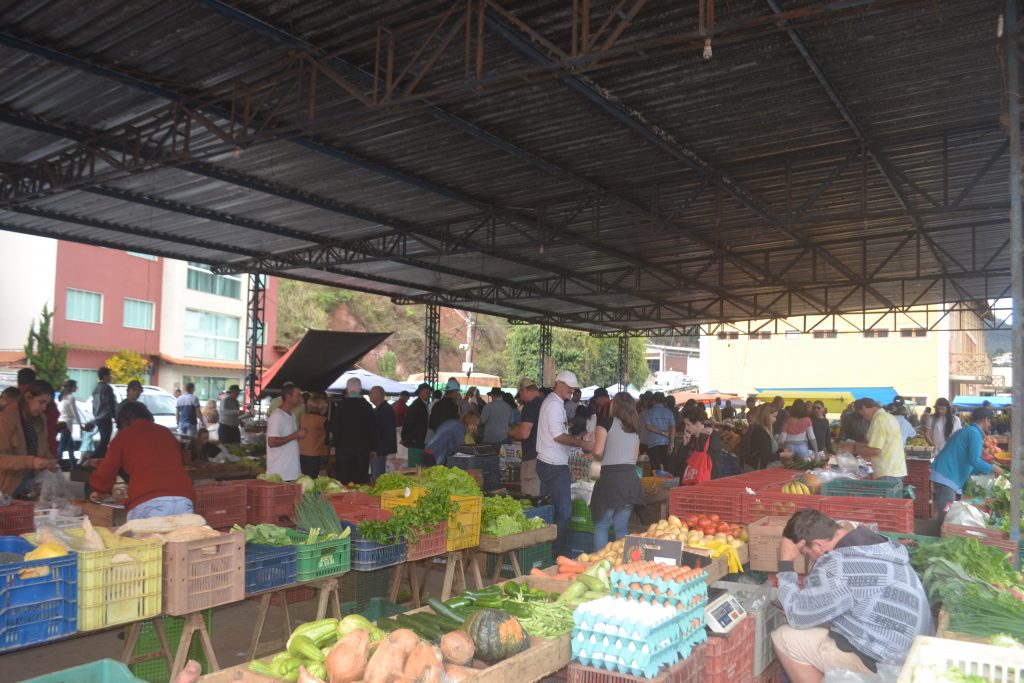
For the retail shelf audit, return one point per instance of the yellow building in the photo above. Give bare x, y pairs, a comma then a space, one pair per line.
920, 355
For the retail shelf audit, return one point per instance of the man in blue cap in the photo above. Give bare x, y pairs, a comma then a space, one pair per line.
448, 407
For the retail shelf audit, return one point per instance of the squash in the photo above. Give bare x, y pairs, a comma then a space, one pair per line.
457, 648
496, 635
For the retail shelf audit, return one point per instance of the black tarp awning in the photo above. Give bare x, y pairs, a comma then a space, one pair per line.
316, 360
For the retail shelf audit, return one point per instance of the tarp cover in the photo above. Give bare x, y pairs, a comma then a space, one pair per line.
976, 401
370, 380
316, 360
835, 401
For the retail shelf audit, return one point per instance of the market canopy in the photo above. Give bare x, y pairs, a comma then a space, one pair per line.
316, 360
977, 401
630, 185
708, 398
370, 380
883, 395
835, 401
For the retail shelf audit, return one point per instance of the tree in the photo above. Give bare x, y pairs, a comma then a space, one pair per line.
126, 366
387, 364
49, 360
594, 360
302, 306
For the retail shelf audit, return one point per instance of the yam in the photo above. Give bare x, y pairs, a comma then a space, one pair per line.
405, 639
457, 648
457, 673
423, 665
347, 660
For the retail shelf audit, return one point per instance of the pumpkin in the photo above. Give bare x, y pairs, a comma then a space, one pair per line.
496, 635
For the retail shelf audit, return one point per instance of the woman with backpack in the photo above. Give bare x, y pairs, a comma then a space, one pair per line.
701, 444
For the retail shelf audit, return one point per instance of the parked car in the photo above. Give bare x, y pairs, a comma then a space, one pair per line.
161, 404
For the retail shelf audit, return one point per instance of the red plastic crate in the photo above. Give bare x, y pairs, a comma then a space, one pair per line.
689, 670
354, 514
891, 514
354, 498
223, 504
730, 658
269, 502
919, 476
774, 503
430, 544
17, 518
705, 500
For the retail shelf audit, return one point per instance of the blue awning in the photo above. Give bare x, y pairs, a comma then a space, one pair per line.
883, 395
976, 401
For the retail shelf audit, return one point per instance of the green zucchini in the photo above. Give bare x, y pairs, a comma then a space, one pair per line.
406, 621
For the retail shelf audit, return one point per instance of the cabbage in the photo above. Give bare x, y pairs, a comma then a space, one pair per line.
307, 483
354, 622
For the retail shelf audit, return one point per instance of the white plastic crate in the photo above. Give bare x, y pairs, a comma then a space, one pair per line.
994, 664
53, 516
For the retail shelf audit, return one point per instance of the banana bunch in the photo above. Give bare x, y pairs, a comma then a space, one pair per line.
797, 488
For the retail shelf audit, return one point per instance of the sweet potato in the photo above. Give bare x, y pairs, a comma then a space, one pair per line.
347, 660
423, 665
458, 673
457, 648
390, 656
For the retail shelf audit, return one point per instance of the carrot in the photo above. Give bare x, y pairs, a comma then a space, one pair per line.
566, 577
539, 572
565, 565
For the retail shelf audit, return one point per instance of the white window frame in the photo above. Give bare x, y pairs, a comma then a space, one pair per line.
67, 291
152, 314
824, 335
206, 270
877, 333
915, 333
137, 254
236, 340
791, 335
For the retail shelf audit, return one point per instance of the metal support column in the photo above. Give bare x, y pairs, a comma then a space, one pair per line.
623, 360
545, 350
254, 339
432, 345
1011, 54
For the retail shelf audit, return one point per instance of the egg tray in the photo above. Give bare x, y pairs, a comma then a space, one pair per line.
645, 665
680, 628
689, 598
698, 583
655, 630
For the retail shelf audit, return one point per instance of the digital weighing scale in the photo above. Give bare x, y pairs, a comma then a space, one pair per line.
723, 611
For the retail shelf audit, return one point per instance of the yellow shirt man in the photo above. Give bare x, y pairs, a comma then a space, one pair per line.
884, 433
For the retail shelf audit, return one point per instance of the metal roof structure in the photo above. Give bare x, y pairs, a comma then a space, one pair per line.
564, 162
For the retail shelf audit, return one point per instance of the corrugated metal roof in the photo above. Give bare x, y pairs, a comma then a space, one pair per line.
649, 189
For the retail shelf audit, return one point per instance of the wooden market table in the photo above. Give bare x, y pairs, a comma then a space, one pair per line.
506, 546
327, 588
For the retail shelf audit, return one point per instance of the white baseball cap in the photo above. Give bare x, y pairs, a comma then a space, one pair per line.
569, 378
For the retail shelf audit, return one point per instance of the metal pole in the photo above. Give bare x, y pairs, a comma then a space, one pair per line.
623, 360
255, 339
432, 344
546, 344
1010, 52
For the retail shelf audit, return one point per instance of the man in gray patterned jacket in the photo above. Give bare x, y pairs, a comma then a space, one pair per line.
861, 604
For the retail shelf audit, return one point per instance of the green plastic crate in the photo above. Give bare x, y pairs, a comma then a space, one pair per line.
581, 519
539, 556
361, 587
155, 670
863, 488
102, 671
320, 560
378, 608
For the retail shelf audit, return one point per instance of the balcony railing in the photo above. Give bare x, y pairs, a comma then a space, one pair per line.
973, 365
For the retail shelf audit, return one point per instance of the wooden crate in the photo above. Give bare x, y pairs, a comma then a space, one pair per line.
942, 630
503, 544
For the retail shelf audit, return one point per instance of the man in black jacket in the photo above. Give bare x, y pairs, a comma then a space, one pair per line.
448, 407
414, 429
355, 435
104, 408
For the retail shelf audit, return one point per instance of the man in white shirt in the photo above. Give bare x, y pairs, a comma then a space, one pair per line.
283, 436
553, 444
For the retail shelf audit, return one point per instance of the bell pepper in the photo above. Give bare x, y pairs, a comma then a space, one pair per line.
488, 601
321, 632
512, 589
258, 667
517, 609
304, 648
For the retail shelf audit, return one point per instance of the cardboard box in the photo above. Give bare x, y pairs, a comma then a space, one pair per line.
765, 536
104, 515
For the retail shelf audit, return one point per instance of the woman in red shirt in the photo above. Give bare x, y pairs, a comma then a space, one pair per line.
150, 456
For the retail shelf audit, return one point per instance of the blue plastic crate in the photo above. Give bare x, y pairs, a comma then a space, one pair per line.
489, 465
579, 542
36, 609
545, 512
369, 555
268, 566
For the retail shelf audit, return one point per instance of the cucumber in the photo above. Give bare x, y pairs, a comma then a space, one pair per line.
406, 621
443, 610
388, 624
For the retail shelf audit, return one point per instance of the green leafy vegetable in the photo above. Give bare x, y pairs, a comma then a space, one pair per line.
264, 534
503, 516
449, 480
390, 482
315, 512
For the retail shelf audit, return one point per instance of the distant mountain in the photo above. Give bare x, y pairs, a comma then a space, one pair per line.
997, 341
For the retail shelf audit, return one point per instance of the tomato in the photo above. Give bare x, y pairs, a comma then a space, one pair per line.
723, 528
692, 520
713, 517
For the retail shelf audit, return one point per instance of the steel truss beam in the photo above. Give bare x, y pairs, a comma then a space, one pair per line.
254, 339
431, 344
